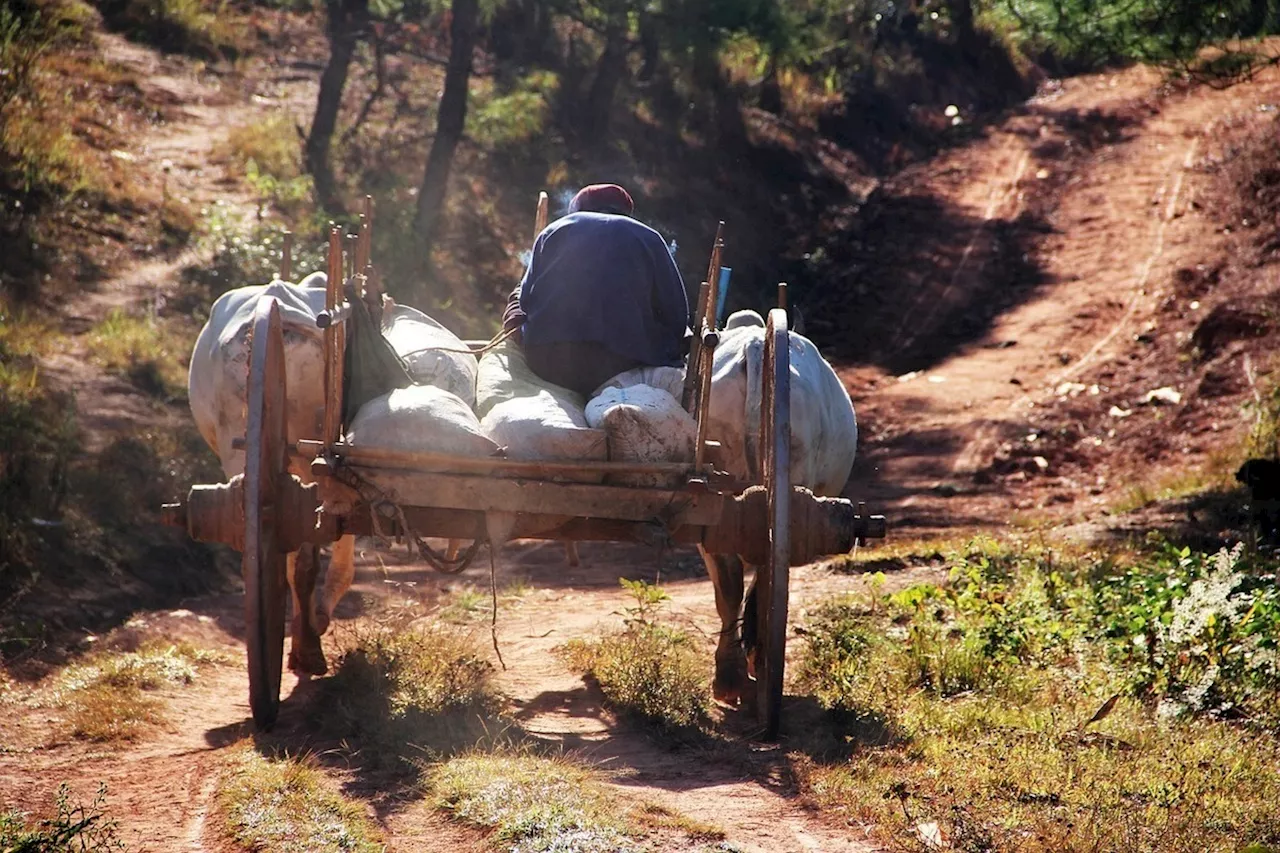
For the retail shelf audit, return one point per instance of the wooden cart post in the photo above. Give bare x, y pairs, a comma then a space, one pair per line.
334, 340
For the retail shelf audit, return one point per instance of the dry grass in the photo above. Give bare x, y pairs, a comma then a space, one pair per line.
106, 696
403, 692
532, 803
661, 817
287, 806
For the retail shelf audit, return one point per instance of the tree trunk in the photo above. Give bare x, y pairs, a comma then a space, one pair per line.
346, 23
609, 72
770, 90
449, 126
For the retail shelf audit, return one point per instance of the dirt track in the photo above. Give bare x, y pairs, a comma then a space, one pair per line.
1121, 219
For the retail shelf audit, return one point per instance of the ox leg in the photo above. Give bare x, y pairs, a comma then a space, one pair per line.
305, 655
337, 580
731, 670
571, 553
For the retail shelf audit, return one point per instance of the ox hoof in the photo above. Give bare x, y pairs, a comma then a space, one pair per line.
321, 620
730, 681
307, 661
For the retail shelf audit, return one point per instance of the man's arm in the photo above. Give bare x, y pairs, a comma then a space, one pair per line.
513, 316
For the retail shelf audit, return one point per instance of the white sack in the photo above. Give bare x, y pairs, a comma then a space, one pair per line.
433, 354
644, 424
420, 418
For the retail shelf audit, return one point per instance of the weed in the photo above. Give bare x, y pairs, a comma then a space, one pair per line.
410, 690
244, 254
147, 350
531, 803
661, 817
285, 806
988, 693
647, 669
468, 603
72, 829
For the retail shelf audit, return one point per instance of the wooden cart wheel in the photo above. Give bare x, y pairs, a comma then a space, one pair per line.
773, 578
265, 469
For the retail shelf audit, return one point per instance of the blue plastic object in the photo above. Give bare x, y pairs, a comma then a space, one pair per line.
725, 272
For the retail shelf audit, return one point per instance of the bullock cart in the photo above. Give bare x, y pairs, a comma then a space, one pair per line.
270, 511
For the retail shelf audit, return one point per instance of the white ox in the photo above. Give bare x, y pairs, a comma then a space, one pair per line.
824, 439
217, 390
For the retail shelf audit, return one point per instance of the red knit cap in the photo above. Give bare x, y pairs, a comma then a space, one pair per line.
602, 198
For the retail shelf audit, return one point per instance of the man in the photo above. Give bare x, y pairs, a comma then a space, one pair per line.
601, 295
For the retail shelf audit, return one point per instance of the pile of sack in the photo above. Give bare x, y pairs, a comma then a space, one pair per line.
453, 403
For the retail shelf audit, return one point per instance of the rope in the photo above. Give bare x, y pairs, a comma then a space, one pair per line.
493, 592
379, 500
494, 343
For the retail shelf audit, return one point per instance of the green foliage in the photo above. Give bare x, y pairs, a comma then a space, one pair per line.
147, 350
208, 29
531, 803
244, 253
285, 806
72, 829
649, 670
1044, 702
1085, 34
516, 117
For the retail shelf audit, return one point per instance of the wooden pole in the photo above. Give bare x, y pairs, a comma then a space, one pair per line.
544, 212
693, 366
332, 357
782, 295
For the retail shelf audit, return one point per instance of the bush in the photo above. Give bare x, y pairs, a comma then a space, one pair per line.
207, 29
648, 670
406, 691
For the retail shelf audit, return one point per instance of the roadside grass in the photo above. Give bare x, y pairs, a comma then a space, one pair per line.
532, 802
147, 350
106, 696
403, 692
468, 603
207, 29
646, 670
1047, 702
73, 828
1217, 475
285, 805
38, 439
661, 817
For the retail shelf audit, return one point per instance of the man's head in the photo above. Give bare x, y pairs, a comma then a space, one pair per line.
602, 198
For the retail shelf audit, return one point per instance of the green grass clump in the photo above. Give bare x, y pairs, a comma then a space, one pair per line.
71, 829
208, 29
531, 803
104, 698
649, 670
147, 350
284, 806
1041, 701
409, 691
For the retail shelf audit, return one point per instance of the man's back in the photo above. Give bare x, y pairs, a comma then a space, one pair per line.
605, 279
